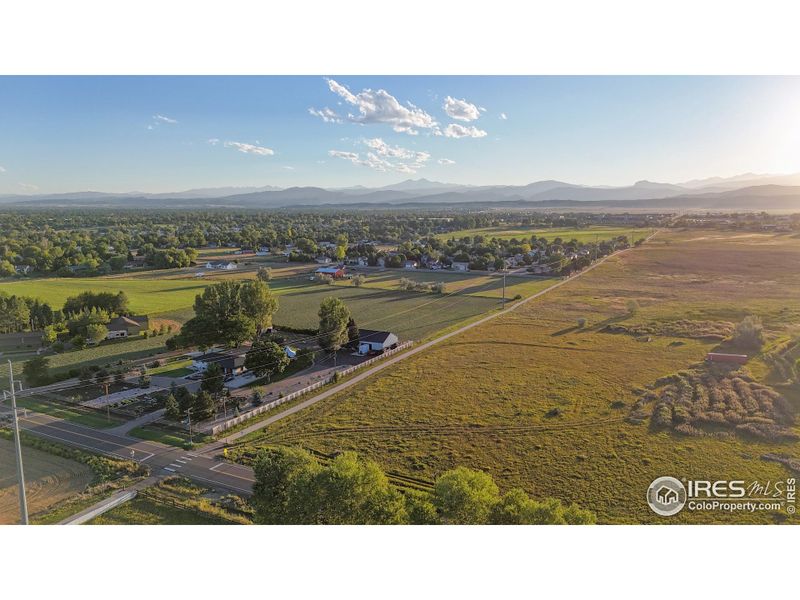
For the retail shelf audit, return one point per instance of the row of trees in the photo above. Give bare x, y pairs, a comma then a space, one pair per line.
292, 487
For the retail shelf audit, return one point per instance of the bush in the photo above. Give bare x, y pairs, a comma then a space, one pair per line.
749, 333
581, 323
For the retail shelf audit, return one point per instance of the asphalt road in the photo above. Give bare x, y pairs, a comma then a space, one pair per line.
163, 460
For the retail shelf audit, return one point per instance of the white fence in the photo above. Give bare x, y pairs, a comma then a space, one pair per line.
225, 425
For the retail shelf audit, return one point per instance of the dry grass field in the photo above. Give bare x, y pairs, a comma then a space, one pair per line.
543, 404
49, 480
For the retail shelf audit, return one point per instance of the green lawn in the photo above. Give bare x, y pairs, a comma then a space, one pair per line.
166, 436
177, 368
586, 234
76, 414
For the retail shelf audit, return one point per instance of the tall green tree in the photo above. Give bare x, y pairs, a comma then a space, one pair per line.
204, 407
213, 380
173, 410
266, 359
258, 303
282, 492
333, 319
352, 491
465, 496
36, 370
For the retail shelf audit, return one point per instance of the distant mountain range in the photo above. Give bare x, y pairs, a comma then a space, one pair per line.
743, 192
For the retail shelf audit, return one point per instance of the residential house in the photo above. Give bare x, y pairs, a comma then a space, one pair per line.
123, 327
231, 361
324, 260
410, 264
23, 269
222, 266
459, 266
370, 341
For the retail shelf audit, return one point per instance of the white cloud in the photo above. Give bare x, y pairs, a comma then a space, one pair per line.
503, 116
288, 168
250, 148
381, 107
28, 187
460, 110
2, 169
454, 130
446, 161
160, 120
384, 157
326, 114
213, 141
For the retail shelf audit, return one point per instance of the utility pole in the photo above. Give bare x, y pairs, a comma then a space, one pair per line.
108, 405
189, 415
23, 501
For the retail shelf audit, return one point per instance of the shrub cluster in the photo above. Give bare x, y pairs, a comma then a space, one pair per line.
713, 399
410, 285
682, 328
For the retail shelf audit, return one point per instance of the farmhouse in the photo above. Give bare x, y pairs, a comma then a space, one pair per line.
375, 341
123, 327
232, 361
335, 272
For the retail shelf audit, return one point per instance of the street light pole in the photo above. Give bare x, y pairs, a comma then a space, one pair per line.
23, 501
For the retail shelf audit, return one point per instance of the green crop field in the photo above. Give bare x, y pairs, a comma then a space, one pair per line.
543, 404
412, 315
584, 234
482, 286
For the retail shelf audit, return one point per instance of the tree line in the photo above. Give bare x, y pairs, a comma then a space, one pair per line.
294, 488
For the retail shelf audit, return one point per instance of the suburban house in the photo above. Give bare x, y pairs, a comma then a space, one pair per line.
123, 327
231, 361
375, 341
410, 264
222, 266
459, 266
324, 260
335, 272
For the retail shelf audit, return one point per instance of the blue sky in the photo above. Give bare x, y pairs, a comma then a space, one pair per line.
172, 133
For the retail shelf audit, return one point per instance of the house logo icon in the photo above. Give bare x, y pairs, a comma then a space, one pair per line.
666, 496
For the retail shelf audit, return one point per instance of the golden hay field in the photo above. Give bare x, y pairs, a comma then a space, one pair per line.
542, 404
